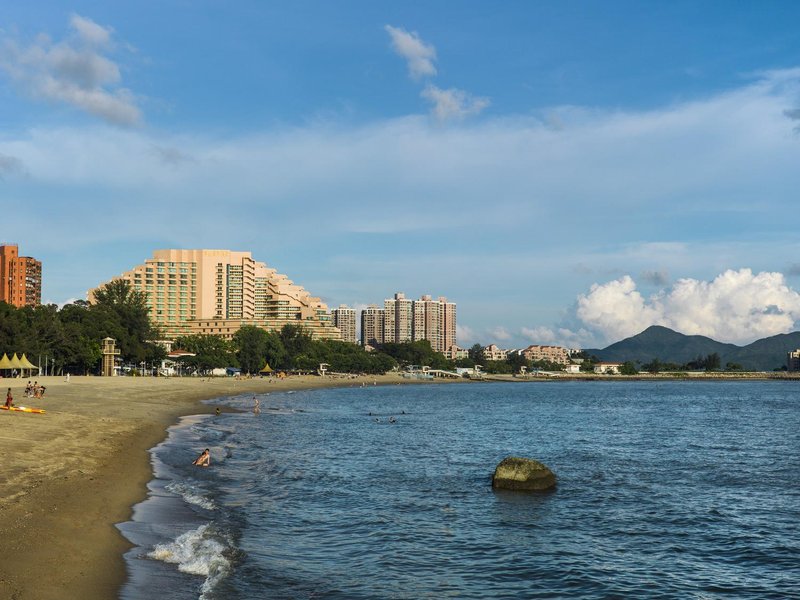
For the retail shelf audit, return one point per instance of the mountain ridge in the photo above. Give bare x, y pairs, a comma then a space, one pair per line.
672, 346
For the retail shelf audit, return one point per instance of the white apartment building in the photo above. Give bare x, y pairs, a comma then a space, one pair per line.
344, 319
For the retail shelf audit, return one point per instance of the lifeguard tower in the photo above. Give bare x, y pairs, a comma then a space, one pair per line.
110, 354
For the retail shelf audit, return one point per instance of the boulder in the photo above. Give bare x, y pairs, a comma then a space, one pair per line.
515, 473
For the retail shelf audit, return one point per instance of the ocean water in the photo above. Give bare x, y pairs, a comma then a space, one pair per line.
665, 490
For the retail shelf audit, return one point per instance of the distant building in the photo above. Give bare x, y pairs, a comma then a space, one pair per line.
344, 319
20, 278
404, 320
555, 354
372, 319
492, 352
455, 353
219, 291
607, 368
572, 368
793, 360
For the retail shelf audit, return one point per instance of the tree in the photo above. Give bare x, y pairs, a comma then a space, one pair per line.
475, 353
121, 312
255, 347
628, 368
210, 351
654, 366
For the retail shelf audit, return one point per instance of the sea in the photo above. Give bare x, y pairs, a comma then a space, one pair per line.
665, 490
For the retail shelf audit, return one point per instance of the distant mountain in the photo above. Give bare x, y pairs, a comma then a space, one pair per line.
670, 346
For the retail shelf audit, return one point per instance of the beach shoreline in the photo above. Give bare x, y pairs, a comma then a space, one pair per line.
73, 473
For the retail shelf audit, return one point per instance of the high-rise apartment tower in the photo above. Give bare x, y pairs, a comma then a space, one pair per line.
20, 277
344, 319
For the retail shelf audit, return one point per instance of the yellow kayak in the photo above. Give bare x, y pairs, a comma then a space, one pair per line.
38, 411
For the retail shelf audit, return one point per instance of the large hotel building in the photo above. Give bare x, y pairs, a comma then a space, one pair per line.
218, 291
20, 277
403, 320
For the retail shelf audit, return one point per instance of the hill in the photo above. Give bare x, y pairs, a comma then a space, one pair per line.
670, 346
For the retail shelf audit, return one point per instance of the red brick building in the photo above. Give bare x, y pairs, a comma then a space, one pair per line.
20, 277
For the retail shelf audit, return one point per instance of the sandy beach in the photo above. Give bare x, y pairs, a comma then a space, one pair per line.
69, 475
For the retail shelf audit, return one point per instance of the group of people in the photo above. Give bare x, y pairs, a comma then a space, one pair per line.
34, 390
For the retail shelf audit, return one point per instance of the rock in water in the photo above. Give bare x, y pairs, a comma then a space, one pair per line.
515, 473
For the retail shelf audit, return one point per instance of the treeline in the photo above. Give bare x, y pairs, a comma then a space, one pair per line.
69, 338
290, 349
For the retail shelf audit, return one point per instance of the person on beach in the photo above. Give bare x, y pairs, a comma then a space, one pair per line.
9, 399
204, 460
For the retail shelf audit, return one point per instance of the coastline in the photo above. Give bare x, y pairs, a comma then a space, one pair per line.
72, 474
75, 472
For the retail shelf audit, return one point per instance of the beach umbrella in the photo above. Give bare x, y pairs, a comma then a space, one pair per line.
15, 364
26, 364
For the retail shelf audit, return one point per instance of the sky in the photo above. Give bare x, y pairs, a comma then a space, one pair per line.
566, 172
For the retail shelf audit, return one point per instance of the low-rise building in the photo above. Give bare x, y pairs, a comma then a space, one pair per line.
607, 368
492, 352
572, 368
556, 354
454, 353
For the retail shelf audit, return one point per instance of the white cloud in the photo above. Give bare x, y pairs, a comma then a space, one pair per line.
419, 55
494, 194
74, 71
736, 306
91, 32
499, 334
453, 104
465, 336
539, 335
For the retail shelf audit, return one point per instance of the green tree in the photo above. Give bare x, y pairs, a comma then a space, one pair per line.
121, 312
255, 347
210, 351
628, 368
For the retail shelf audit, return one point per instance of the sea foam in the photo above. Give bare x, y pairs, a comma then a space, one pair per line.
201, 552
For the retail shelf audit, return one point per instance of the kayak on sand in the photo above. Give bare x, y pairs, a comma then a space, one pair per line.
26, 409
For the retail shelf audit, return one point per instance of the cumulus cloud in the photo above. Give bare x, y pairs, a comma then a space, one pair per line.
453, 104
500, 334
75, 71
418, 55
466, 335
737, 306
539, 335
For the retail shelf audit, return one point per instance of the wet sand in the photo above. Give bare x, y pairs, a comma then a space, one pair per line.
69, 475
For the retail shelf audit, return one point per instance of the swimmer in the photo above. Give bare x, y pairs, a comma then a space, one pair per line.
218, 411
257, 406
392, 420
204, 460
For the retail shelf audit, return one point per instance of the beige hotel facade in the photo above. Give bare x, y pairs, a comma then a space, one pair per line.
218, 291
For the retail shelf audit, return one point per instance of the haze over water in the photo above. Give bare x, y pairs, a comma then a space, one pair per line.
668, 490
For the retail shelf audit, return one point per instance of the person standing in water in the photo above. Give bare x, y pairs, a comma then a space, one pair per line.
256, 406
204, 460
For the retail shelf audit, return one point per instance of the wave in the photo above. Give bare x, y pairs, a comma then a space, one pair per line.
203, 551
191, 494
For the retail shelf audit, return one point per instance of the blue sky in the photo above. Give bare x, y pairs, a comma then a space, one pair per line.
567, 172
